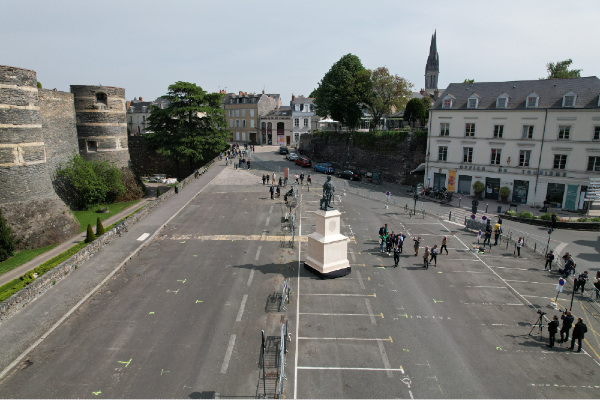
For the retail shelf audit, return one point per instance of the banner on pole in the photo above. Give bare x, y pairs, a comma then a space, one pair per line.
286, 173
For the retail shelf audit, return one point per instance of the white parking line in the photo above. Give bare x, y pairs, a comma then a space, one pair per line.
386, 361
336, 294
257, 253
360, 280
250, 278
354, 369
336, 338
368, 303
539, 283
228, 354
267, 223
242, 306
143, 237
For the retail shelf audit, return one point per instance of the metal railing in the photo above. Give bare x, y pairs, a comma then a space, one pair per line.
285, 295
285, 337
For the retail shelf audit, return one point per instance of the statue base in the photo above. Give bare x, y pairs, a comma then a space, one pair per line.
327, 247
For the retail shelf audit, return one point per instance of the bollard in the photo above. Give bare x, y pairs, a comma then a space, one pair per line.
459, 200
486, 207
450, 216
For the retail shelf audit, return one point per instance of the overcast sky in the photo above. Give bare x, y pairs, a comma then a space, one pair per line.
287, 46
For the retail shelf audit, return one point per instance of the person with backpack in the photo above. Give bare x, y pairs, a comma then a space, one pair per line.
434, 252
302, 178
444, 242
426, 254
549, 259
578, 334
382, 239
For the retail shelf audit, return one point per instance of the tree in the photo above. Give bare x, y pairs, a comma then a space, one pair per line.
39, 85
343, 91
191, 127
90, 234
415, 110
560, 69
313, 94
7, 243
427, 102
469, 81
388, 93
99, 227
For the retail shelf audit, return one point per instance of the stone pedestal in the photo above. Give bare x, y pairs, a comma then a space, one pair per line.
327, 247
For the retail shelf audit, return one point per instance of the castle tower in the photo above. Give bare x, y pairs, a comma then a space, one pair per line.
101, 123
432, 68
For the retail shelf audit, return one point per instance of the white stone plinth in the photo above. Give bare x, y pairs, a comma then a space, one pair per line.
327, 247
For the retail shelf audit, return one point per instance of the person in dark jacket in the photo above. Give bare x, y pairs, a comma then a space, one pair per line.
388, 243
396, 255
569, 265
580, 281
553, 219
578, 333
549, 259
272, 191
552, 329
488, 234
567, 320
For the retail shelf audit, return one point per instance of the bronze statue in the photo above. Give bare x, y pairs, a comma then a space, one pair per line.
328, 198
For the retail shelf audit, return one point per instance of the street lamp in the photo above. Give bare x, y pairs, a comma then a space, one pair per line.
548, 245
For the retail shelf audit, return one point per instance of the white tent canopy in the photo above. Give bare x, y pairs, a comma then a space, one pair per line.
420, 168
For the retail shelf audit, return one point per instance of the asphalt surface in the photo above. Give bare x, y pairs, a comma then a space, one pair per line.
183, 319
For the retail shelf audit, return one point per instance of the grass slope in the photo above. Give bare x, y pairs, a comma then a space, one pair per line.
90, 216
22, 257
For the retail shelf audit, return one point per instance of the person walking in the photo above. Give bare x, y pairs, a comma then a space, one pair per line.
272, 191
581, 281
226, 160
248, 164
273, 178
596, 284
553, 219
280, 182
264, 178
278, 191
549, 259
497, 232
567, 323
417, 241
444, 242
552, 329
302, 178
381, 241
426, 254
268, 177
578, 334
308, 183
388, 243
488, 234
296, 179
434, 253
397, 251
519, 244
401, 238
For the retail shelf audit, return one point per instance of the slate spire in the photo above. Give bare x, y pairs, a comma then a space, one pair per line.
432, 68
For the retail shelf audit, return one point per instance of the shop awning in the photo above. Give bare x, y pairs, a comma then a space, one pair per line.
420, 168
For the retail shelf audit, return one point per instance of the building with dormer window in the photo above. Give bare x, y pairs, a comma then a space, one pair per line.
539, 138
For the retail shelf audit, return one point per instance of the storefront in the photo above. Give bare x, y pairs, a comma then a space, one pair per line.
464, 184
520, 191
492, 188
439, 180
555, 194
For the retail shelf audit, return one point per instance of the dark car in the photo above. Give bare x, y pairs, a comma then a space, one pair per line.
303, 162
353, 176
283, 150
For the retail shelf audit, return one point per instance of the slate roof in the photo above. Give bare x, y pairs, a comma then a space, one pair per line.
551, 92
303, 100
279, 112
137, 106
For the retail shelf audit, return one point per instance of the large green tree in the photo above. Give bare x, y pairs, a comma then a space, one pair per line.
388, 93
191, 128
343, 90
416, 110
560, 69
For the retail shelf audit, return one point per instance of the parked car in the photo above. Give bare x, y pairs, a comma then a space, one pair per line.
303, 162
283, 150
325, 168
353, 176
157, 178
292, 156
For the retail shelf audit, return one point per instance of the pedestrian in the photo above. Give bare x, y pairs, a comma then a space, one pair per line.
479, 236
434, 253
388, 244
596, 284
444, 242
385, 228
296, 179
553, 219
552, 329
272, 191
302, 178
280, 182
278, 191
569, 265
497, 232
488, 234
264, 178
273, 177
401, 238
519, 244
567, 323
417, 240
578, 334
426, 254
397, 251
268, 177
546, 203
381, 241
248, 163
227, 160
499, 220
549, 259
581, 281
220, 156
308, 183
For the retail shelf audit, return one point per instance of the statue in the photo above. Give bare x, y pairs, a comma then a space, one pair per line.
327, 199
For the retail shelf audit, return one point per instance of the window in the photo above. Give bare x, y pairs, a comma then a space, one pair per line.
237, 113
569, 99
527, 131
144, 119
498, 130
231, 113
297, 107
244, 134
306, 122
252, 113
245, 101
501, 101
444, 129
448, 101
472, 103
524, 157
467, 154
470, 130
243, 113
243, 123
231, 123
306, 108
237, 123
560, 160
532, 100
496, 154
297, 122
237, 136
594, 164
251, 123
101, 98
563, 132
596, 133
92, 146
231, 101
443, 153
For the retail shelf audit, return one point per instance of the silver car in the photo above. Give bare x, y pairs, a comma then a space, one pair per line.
292, 156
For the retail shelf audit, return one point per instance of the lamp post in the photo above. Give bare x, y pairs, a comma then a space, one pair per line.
548, 245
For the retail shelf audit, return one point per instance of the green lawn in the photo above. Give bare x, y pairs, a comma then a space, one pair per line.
22, 257
89, 217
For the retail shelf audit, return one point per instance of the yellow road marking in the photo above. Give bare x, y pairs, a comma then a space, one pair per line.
589, 327
242, 237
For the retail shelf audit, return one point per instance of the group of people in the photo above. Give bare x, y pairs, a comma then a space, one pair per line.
567, 323
391, 242
283, 181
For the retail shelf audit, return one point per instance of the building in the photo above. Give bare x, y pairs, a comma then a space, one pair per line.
279, 119
432, 68
539, 138
242, 112
303, 110
138, 112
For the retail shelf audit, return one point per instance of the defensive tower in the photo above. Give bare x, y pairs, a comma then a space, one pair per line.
101, 123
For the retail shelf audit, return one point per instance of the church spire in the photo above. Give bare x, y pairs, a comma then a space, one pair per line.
432, 68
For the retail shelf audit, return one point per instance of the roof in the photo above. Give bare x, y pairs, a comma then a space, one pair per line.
137, 106
279, 112
551, 92
303, 99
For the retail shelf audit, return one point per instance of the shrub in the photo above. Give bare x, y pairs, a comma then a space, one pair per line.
478, 187
158, 192
504, 191
7, 243
595, 219
526, 214
546, 217
511, 212
90, 234
99, 227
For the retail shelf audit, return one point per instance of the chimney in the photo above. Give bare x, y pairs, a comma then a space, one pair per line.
436, 94
135, 98
293, 97
141, 98
241, 93
263, 91
128, 104
222, 91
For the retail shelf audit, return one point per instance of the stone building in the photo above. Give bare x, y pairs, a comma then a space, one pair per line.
280, 122
539, 138
303, 111
242, 112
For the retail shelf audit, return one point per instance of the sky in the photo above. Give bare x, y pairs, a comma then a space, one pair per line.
286, 47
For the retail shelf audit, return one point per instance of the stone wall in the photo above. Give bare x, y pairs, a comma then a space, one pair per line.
392, 158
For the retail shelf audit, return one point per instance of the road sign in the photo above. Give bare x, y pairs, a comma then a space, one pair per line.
484, 218
560, 285
472, 216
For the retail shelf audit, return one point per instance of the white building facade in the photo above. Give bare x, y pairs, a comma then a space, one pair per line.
541, 139
303, 111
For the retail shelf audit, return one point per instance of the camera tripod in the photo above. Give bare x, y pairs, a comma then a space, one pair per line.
539, 323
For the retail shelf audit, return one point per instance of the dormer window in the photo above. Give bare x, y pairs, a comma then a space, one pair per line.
569, 99
532, 100
473, 101
448, 102
502, 101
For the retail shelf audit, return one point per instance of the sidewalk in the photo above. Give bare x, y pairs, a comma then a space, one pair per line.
66, 245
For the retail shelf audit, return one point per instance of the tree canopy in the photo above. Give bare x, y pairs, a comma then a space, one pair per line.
560, 69
417, 109
388, 93
469, 81
191, 127
342, 91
